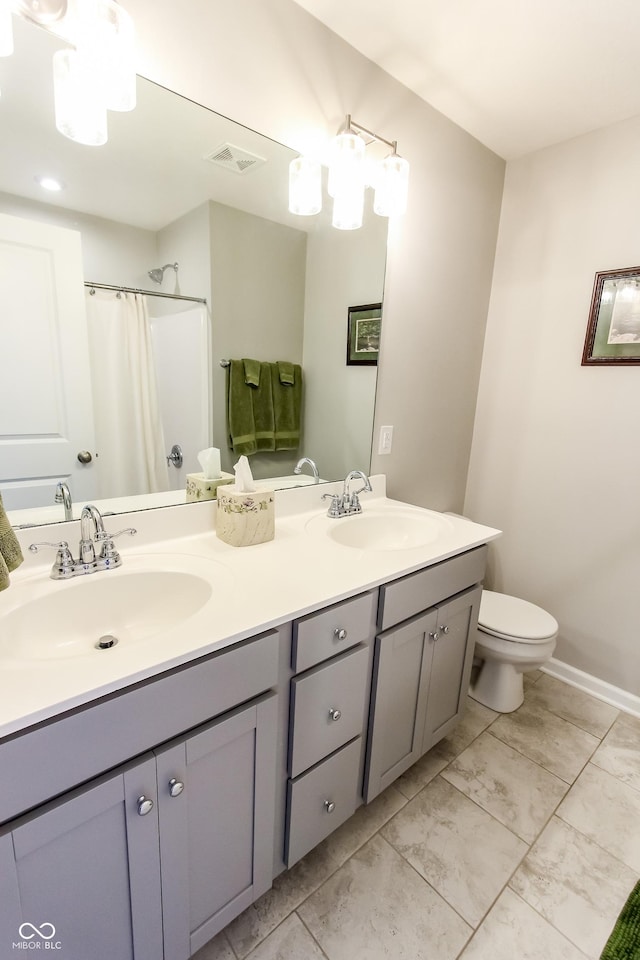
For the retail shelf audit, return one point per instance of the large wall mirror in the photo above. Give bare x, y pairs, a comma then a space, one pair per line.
176, 184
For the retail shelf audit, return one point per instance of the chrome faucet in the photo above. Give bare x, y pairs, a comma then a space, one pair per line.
314, 470
347, 503
92, 535
63, 496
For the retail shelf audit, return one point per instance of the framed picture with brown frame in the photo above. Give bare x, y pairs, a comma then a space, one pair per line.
613, 330
363, 334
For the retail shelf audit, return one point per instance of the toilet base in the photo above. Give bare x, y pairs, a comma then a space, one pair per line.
498, 686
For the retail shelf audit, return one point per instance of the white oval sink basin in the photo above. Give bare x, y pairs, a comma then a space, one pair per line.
388, 528
146, 596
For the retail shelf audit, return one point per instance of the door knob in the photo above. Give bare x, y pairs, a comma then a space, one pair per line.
84, 456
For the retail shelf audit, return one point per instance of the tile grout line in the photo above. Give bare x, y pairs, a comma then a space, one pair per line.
324, 954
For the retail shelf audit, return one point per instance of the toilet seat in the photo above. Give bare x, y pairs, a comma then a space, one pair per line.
510, 618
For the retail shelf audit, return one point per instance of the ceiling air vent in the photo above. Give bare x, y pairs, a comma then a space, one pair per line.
234, 158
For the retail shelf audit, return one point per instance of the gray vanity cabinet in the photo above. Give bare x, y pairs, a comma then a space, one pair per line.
422, 665
152, 859
216, 793
84, 872
329, 703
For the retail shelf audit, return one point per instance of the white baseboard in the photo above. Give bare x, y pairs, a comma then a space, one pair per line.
617, 697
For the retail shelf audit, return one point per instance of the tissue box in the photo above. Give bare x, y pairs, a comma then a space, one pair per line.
200, 489
243, 519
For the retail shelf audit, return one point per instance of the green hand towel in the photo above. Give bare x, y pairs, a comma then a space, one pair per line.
287, 372
287, 408
252, 372
241, 426
10, 552
262, 398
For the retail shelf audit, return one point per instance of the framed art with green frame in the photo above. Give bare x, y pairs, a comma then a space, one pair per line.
363, 334
613, 331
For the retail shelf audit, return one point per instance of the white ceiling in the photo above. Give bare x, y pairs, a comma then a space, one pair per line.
516, 74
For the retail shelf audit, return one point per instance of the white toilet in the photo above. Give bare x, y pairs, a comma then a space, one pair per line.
513, 636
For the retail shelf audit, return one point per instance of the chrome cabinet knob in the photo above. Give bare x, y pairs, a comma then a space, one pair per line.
444, 629
340, 633
145, 806
175, 787
334, 714
434, 634
329, 806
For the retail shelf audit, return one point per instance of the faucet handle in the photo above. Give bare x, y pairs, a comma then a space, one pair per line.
63, 565
335, 508
108, 551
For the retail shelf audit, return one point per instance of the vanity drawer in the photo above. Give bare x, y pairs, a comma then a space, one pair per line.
411, 595
327, 708
321, 800
332, 630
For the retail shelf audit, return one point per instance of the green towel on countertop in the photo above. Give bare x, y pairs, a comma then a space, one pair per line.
252, 372
287, 408
10, 552
250, 423
287, 372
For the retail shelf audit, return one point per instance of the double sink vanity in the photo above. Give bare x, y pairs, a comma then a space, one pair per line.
252, 699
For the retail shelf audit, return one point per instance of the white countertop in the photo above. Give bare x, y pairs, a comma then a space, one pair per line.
254, 588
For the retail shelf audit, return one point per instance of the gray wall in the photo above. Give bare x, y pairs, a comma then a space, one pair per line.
278, 70
556, 462
257, 308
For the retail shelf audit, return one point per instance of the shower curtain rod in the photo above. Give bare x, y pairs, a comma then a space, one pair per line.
149, 293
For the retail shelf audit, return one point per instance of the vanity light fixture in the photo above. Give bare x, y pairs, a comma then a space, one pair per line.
6, 29
95, 73
348, 178
305, 186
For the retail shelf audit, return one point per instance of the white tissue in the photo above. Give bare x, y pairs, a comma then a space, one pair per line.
210, 462
244, 478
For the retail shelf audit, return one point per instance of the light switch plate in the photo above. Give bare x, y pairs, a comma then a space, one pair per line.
385, 441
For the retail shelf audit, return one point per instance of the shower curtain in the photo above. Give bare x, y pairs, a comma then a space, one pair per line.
129, 439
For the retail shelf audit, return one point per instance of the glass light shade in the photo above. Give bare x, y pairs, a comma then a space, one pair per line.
305, 187
348, 209
6, 29
79, 105
392, 187
105, 34
346, 166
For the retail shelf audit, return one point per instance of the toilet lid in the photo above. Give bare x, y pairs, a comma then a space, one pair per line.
511, 617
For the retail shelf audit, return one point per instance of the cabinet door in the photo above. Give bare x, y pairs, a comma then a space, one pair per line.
84, 873
216, 792
450, 657
398, 702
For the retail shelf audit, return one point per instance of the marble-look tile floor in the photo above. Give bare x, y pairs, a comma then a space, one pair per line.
516, 838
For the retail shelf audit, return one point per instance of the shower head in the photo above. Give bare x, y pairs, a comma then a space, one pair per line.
158, 272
